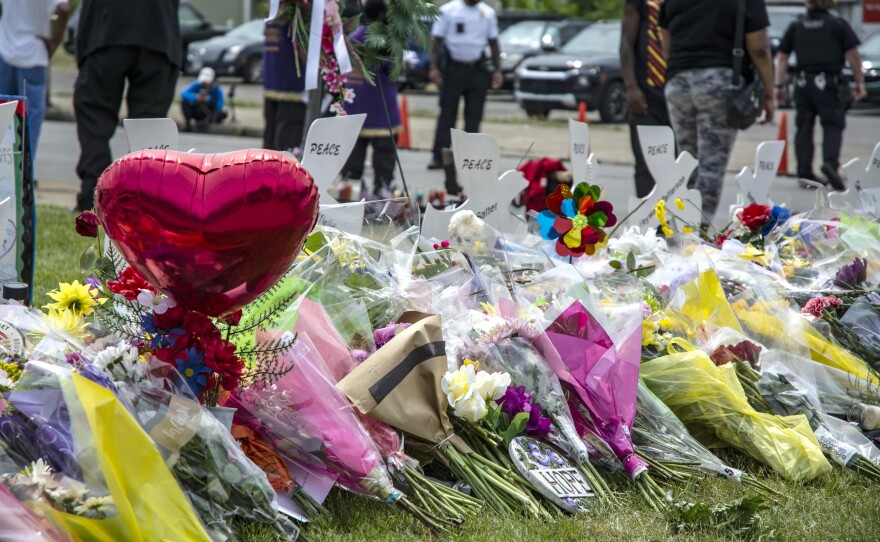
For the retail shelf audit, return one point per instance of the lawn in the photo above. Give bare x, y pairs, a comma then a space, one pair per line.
840, 507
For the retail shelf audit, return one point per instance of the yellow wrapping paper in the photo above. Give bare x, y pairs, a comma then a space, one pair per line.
705, 302
151, 505
707, 397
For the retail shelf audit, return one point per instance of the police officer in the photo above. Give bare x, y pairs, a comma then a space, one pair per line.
462, 31
822, 42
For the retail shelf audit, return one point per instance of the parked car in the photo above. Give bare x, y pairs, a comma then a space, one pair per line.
870, 52
530, 38
193, 27
238, 53
507, 19
586, 70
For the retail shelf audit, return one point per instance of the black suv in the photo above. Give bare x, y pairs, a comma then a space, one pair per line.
586, 70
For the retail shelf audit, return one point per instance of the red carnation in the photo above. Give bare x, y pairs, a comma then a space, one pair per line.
220, 357
755, 216
130, 284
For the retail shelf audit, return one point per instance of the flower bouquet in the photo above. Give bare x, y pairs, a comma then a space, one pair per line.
401, 385
304, 417
18, 523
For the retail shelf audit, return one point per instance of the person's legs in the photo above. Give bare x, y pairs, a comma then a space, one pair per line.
32, 85
354, 166
190, 112
715, 138
475, 94
151, 83
97, 96
454, 81
805, 121
383, 162
290, 118
8, 78
269, 112
683, 111
832, 114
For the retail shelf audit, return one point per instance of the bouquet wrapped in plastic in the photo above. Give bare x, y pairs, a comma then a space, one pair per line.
99, 486
18, 523
708, 397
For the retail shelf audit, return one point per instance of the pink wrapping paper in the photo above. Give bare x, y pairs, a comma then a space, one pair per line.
19, 524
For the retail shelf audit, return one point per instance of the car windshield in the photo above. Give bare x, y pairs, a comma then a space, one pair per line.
779, 22
252, 30
526, 34
599, 39
871, 46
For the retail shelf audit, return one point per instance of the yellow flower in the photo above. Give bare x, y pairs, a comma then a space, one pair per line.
679, 204
666, 231
664, 323
73, 296
474, 362
648, 328
489, 309
68, 322
687, 229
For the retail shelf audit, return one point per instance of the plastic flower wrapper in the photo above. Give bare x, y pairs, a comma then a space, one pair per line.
706, 397
507, 347
646, 246
211, 467
660, 437
124, 489
787, 384
401, 385
20, 524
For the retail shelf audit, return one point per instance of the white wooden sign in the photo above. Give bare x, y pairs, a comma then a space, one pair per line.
863, 186
8, 211
583, 163
754, 186
160, 134
670, 176
476, 163
328, 145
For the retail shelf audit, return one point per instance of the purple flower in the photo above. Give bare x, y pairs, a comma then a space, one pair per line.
850, 277
538, 425
75, 360
515, 400
383, 335
94, 283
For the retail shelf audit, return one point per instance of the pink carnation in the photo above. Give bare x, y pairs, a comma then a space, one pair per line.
817, 305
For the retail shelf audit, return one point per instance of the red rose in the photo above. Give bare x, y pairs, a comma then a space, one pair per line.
755, 216
87, 224
130, 284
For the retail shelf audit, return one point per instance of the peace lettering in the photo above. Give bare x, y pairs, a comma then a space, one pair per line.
484, 164
324, 149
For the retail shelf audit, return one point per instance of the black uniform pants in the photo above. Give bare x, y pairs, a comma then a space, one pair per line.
828, 104
470, 81
97, 96
657, 114
383, 160
285, 124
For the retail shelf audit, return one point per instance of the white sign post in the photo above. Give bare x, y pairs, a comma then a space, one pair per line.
671, 177
755, 186
8, 184
328, 145
160, 134
863, 185
476, 163
583, 163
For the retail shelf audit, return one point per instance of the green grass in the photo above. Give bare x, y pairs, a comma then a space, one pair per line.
840, 507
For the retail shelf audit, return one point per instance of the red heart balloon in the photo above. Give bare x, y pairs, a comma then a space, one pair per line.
212, 230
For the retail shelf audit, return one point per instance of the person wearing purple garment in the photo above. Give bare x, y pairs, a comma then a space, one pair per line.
379, 102
284, 110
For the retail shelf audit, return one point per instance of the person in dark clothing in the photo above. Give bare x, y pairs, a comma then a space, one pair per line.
136, 41
462, 30
284, 110
822, 42
375, 101
644, 72
202, 102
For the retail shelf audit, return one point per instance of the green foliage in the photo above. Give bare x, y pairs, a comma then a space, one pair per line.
585, 9
386, 42
741, 517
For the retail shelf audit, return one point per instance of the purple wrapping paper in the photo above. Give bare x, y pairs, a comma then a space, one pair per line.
601, 376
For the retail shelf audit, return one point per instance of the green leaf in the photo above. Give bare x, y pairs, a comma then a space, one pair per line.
631, 261
88, 259
517, 427
616, 264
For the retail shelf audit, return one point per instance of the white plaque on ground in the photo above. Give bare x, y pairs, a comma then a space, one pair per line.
671, 177
476, 163
328, 145
159, 134
550, 473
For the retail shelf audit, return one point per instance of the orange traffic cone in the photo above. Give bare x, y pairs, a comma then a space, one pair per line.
403, 139
783, 136
582, 112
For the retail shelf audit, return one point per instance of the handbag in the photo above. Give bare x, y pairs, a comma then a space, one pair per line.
746, 99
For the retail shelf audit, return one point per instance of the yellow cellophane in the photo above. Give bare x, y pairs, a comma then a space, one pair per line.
710, 399
705, 302
151, 506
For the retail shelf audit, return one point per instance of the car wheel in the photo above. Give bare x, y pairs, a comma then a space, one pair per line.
252, 72
537, 112
613, 107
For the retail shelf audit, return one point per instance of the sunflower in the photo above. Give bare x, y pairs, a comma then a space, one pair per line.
73, 296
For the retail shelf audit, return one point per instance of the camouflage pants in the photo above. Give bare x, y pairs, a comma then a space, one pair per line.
698, 101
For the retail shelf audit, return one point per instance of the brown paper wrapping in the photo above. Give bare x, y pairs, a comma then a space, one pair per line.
400, 383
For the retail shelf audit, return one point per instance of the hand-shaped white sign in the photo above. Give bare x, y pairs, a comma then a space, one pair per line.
863, 186
160, 134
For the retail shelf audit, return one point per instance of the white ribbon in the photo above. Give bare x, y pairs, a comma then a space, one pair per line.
342, 58
314, 53
273, 9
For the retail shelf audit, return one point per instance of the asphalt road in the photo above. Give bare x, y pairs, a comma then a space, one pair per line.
58, 154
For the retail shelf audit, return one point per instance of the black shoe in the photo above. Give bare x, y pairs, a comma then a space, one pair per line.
833, 178
434, 164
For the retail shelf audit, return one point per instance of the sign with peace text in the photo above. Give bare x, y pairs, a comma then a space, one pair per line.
754, 187
671, 177
583, 163
159, 134
476, 159
863, 186
328, 145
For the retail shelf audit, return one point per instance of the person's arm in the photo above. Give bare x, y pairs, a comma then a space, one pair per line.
667, 42
59, 27
635, 98
780, 89
497, 76
191, 93
434, 73
855, 63
758, 46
